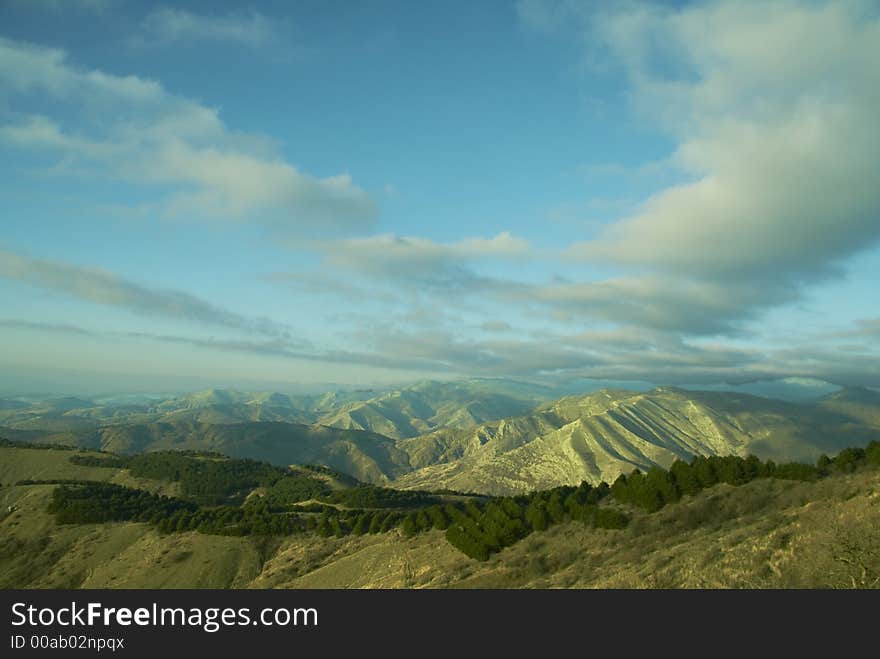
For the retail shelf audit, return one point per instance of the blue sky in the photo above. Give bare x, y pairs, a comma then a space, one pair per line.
362, 193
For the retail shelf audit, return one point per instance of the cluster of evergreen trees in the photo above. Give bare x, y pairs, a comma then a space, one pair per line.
371, 496
481, 531
93, 503
9, 443
333, 521
478, 531
109, 462
477, 526
345, 479
253, 518
51, 481
88, 502
654, 489
849, 459
293, 488
207, 481
210, 480
340, 523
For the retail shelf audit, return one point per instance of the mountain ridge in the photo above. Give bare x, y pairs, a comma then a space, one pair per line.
590, 437
601, 435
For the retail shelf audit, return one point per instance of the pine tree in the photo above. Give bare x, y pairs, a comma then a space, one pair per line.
872, 453
555, 509
376, 523
685, 478
536, 516
439, 519
409, 525
422, 522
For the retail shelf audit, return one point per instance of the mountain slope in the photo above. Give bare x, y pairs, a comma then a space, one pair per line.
427, 406
366, 456
860, 405
407, 412
600, 436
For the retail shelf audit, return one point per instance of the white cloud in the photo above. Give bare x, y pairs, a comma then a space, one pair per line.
622, 354
105, 288
779, 128
672, 304
168, 25
132, 128
774, 107
406, 257
43, 133
503, 244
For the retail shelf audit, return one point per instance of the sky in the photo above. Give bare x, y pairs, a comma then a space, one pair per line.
364, 193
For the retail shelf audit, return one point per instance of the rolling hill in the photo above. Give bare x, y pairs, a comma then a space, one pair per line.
767, 533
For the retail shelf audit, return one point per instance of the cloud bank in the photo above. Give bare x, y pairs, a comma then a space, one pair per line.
105, 288
618, 355
773, 107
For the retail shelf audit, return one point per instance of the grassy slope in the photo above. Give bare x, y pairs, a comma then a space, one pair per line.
767, 533
18, 464
37, 553
36, 464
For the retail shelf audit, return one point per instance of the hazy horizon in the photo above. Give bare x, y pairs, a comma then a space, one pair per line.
48, 384
315, 196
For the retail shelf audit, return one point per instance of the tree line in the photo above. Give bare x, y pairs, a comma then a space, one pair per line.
212, 479
655, 488
9, 443
88, 502
478, 526
372, 496
479, 531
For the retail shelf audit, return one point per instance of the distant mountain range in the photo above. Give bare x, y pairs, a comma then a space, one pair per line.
491, 436
427, 406
407, 412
